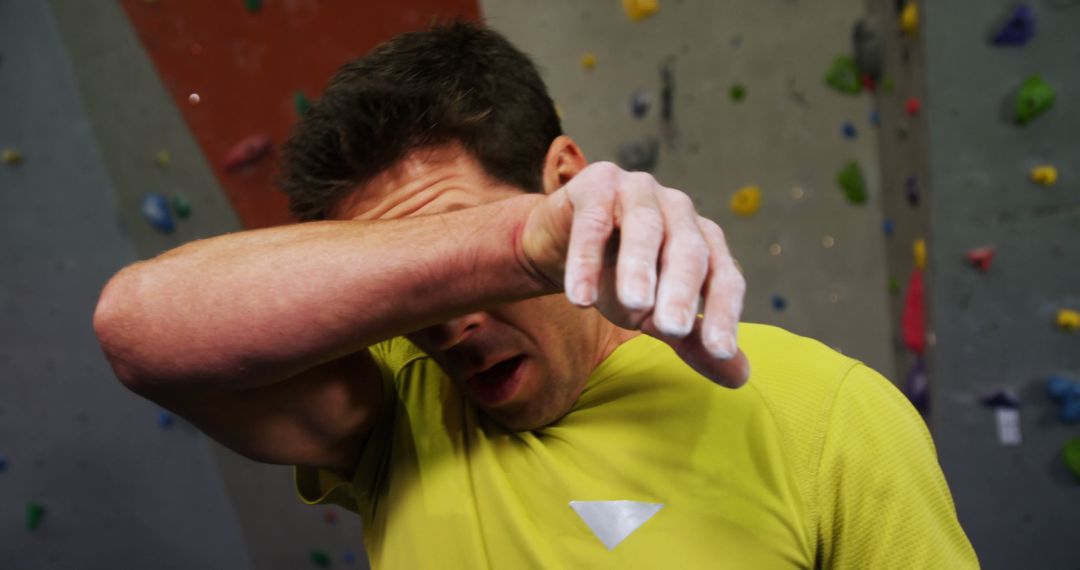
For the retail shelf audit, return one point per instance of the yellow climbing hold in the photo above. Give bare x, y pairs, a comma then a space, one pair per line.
909, 19
1068, 319
746, 201
10, 156
639, 10
163, 158
919, 250
588, 61
1044, 175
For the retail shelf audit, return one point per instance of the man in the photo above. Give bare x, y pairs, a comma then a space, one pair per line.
493, 351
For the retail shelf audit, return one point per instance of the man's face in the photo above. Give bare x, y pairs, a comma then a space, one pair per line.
524, 364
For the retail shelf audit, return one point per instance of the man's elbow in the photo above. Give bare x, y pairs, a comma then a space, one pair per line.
113, 326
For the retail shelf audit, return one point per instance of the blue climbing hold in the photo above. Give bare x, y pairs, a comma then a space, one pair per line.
640, 103
155, 208
1067, 392
164, 420
848, 130
349, 557
875, 118
3, 463
779, 303
888, 227
1017, 29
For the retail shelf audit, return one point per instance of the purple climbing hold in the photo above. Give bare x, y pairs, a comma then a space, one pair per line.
911, 191
1001, 399
917, 387
155, 208
1017, 29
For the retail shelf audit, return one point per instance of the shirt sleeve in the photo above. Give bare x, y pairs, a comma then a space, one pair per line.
882, 499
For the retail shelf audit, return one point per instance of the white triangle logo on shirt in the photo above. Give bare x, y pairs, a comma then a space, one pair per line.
613, 521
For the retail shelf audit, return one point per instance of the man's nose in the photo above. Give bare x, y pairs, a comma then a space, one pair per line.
448, 334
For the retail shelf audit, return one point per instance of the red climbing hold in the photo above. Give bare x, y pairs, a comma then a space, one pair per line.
981, 258
913, 321
913, 106
247, 151
868, 82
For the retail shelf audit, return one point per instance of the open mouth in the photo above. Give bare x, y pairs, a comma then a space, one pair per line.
498, 383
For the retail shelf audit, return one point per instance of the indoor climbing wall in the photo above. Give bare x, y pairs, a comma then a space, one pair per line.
729, 101
1003, 113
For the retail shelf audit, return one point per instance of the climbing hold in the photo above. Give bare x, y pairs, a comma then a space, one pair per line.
164, 420
844, 76
888, 227
247, 152
1001, 399
875, 117
1068, 319
194, 99
1067, 393
301, 102
911, 191
329, 516
848, 130
746, 201
1044, 175
981, 257
737, 93
35, 512
163, 158
182, 206
888, 85
155, 208
253, 6
1035, 98
667, 93
640, 155
779, 303
320, 558
640, 102
909, 19
639, 10
3, 463
1017, 29
869, 52
894, 286
1071, 454
851, 181
913, 318
588, 61
913, 106
11, 156
349, 557
918, 253
917, 387
828, 241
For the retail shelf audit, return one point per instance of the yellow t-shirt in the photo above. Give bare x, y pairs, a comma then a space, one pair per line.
818, 460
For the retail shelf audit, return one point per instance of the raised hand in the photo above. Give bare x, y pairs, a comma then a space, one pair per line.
641, 254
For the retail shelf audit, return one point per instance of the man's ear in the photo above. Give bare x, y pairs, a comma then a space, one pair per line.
563, 161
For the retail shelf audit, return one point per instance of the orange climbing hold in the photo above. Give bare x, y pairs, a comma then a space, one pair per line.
746, 201
639, 10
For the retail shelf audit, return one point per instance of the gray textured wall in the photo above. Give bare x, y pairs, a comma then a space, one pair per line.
119, 491
996, 330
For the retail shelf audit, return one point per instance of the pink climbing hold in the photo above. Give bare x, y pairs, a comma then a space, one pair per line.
247, 152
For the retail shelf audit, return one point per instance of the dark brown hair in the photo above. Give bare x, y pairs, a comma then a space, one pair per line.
455, 83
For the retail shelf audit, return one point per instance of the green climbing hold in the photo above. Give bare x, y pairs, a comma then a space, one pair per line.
851, 181
320, 558
888, 85
181, 205
894, 286
737, 93
1071, 452
302, 103
253, 5
844, 76
1035, 98
34, 513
